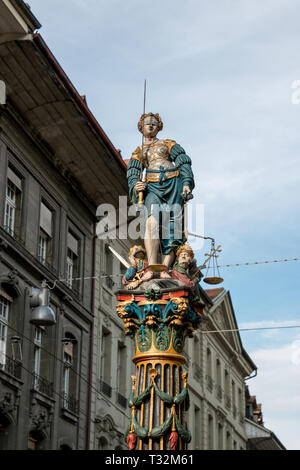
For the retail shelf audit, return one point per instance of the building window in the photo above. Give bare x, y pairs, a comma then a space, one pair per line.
219, 379
67, 365
209, 379
46, 235
109, 268
210, 432
4, 318
196, 359
227, 389
72, 266
121, 376
228, 441
12, 219
197, 430
69, 374
220, 436
10, 344
234, 408
42, 361
37, 355
105, 366
196, 350
241, 406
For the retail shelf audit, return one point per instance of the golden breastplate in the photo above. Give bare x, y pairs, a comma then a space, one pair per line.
156, 155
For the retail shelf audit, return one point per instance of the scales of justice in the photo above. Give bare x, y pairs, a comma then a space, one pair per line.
160, 301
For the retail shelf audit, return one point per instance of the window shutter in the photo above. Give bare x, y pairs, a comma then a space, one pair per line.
72, 244
11, 175
46, 220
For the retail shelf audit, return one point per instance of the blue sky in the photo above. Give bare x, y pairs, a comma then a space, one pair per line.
220, 74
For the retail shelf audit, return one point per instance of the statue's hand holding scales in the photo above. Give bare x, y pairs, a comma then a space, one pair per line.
169, 180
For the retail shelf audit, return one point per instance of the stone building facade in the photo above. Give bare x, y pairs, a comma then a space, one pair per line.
218, 366
56, 166
112, 365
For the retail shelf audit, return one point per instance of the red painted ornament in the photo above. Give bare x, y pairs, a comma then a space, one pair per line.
131, 440
173, 440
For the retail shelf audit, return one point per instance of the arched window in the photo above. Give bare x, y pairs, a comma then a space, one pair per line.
70, 373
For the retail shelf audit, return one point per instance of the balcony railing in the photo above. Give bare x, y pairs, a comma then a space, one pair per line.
197, 372
209, 383
11, 366
42, 385
219, 392
70, 403
105, 388
121, 400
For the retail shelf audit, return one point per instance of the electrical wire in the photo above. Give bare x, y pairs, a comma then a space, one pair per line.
251, 329
106, 276
259, 262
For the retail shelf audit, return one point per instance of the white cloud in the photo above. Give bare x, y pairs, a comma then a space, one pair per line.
277, 387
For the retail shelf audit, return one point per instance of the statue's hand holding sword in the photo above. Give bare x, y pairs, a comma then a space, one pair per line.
140, 187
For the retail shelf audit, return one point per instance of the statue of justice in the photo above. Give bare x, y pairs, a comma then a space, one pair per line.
168, 184
160, 304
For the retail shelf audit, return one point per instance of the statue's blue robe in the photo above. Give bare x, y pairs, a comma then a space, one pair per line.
164, 195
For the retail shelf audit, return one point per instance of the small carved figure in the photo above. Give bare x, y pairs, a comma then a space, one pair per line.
138, 265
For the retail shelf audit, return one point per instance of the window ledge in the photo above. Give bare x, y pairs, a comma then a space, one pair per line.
43, 397
10, 379
69, 415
